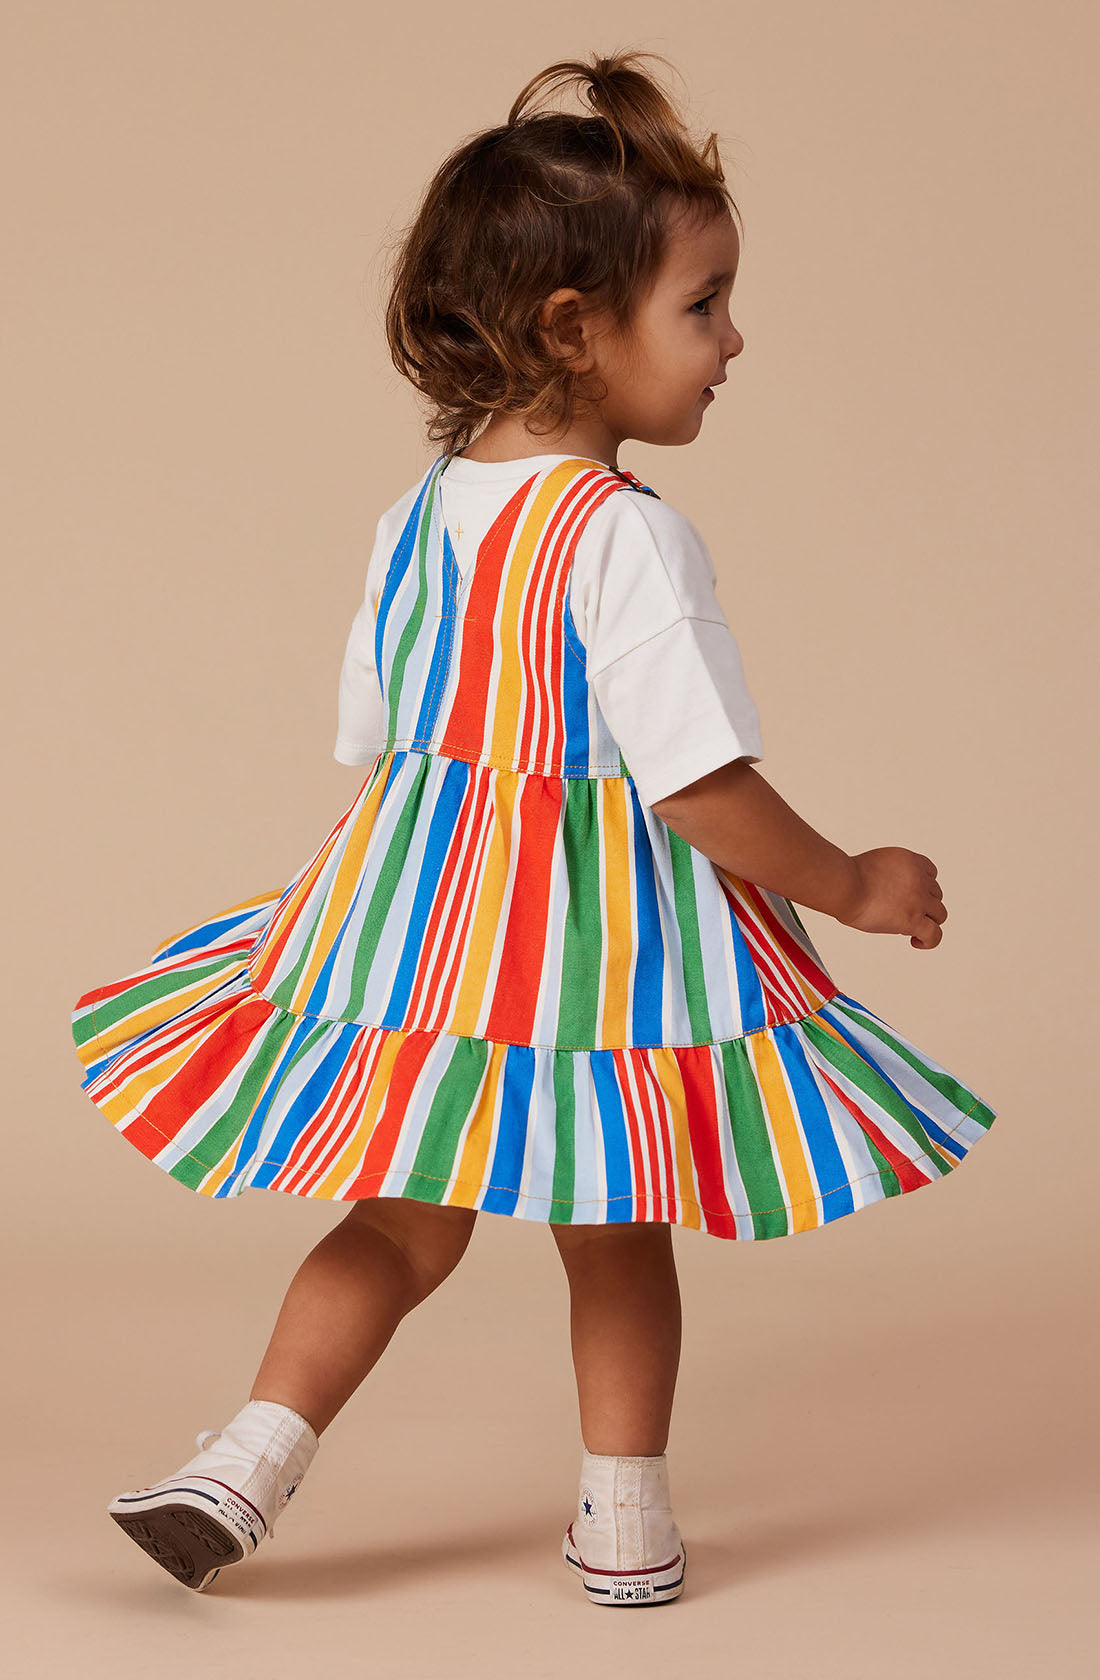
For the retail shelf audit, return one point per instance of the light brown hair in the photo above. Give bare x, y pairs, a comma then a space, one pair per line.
546, 199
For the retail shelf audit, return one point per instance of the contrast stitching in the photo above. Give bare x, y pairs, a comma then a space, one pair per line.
582, 657
522, 1044
553, 768
684, 618
587, 1201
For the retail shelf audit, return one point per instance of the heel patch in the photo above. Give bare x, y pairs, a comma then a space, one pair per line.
630, 1587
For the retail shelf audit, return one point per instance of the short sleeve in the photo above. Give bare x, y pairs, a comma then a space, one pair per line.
660, 654
361, 723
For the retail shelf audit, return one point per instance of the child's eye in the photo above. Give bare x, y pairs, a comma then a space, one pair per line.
704, 300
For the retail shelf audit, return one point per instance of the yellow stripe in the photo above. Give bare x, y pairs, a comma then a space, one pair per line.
671, 1082
617, 909
342, 891
792, 1163
273, 933
210, 1186
477, 959
479, 1131
350, 1157
505, 703
124, 1103
155, 1014
245, 904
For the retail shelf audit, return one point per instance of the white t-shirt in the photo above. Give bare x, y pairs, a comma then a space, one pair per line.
661, 656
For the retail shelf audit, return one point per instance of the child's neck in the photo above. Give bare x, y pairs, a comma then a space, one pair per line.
506, 438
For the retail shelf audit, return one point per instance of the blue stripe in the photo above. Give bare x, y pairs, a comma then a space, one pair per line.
512, 1133
439, 664
574, 699
750, 991
613, 1135
308, 1102
441, 830
829, 1166
932, 1127
395, 571
305, 1033
649, 971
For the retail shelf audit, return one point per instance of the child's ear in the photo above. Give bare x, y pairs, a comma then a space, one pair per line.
565, 327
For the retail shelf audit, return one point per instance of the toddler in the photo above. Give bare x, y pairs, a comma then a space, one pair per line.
548, 964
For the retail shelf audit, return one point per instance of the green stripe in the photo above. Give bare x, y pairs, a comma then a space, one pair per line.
873, 1084
563, 1189
264, 1051
752, 1142
582, 944
389, 876
450, 1108
891, 1184
155, 989
415, 619
691, 948
959, 1096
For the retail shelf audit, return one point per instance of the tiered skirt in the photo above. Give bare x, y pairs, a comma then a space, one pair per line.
524, 995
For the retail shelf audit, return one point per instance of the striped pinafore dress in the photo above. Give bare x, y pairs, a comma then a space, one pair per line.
501, 981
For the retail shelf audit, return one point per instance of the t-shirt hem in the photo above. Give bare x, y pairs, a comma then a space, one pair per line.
700, 761
347, 752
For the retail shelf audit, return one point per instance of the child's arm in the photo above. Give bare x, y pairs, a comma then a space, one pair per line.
738, 820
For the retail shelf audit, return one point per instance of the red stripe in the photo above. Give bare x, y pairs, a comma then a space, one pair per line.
378, 1156
313, 1153
799, 959
426, 992
484, 829
696, 1070
174, 1106
633, 1121
542, 670
281, 926
650, 1569
463, 728
909, 1174
515, 990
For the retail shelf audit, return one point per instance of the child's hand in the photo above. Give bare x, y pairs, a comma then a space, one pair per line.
897, 893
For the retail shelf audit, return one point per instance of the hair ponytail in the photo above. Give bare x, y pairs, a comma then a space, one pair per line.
639, 113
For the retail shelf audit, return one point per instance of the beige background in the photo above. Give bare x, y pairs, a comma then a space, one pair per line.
883, 1454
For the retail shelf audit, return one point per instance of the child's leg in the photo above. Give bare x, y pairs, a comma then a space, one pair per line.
348, 1296
625, 1331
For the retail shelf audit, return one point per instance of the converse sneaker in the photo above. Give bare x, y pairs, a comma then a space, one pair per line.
624, 1544
220, 1505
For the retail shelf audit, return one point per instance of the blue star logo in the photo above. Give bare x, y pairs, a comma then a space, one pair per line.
587, 1507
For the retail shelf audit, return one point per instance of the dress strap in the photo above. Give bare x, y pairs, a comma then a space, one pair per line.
631, 480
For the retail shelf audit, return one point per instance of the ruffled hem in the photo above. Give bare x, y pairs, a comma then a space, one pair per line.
777, 1131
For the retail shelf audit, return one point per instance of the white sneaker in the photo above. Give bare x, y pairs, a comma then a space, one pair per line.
624, 1543
217, 1508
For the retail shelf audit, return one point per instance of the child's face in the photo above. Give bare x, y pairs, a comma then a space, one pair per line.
681, 338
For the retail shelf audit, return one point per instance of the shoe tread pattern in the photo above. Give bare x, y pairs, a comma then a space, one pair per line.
186, 1542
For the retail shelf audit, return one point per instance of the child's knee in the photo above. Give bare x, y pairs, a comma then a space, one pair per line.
431, 1236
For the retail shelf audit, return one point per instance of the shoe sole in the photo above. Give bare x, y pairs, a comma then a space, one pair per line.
657, 1585
180, 1528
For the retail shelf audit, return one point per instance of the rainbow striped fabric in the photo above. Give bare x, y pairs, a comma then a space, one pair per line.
502, 982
